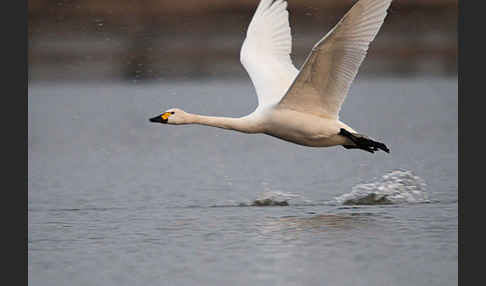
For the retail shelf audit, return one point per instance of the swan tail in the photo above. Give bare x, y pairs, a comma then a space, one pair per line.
362, 142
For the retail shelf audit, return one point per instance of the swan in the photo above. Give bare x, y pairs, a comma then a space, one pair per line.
303, 106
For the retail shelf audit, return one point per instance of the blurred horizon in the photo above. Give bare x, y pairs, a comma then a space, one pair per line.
86, 40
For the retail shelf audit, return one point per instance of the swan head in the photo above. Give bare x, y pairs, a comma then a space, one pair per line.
171, 116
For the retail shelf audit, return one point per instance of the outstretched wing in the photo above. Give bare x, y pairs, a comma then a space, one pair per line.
325, 78
265, 53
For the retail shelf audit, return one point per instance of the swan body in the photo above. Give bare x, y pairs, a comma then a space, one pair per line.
303, 106
292, 126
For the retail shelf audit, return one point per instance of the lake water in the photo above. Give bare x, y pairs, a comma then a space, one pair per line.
116, 200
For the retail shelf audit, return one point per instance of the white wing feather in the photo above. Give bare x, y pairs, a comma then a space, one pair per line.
324, 80
265, 53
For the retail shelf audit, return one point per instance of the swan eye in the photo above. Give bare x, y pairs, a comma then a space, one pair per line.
172, 112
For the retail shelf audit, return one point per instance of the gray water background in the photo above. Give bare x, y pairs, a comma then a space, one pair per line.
116, 200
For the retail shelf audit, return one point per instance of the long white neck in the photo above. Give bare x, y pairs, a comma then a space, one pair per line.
243, 124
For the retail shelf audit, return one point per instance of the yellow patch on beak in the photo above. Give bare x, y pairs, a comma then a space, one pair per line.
166, 115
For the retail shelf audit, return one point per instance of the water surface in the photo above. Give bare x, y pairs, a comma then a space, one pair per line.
116, 200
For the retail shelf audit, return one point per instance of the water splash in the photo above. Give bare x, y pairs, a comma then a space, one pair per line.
395, 187
273, 198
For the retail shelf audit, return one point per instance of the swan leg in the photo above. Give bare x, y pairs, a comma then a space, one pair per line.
362, 142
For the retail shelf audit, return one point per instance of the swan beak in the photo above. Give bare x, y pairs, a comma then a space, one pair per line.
160, 118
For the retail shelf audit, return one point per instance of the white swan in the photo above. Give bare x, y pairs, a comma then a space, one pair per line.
300, 106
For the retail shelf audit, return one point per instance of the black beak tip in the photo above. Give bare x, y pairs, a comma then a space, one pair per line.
156, 119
